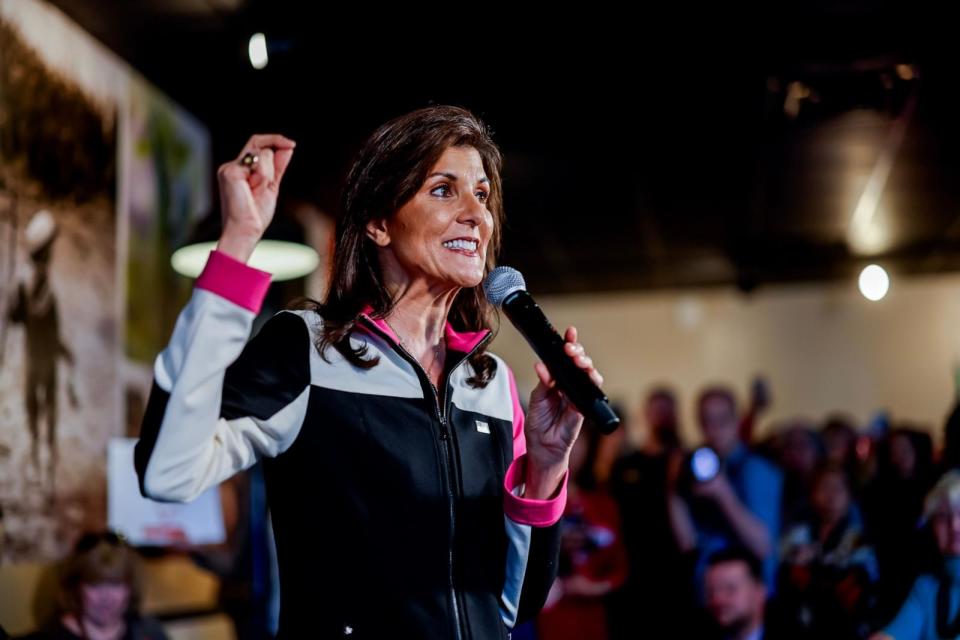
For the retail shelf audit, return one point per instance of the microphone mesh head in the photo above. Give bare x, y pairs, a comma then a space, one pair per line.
501, 282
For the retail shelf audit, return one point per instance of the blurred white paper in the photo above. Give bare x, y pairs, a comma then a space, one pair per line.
146, 522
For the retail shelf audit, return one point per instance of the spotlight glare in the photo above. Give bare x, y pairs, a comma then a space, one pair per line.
257, 49
874, 282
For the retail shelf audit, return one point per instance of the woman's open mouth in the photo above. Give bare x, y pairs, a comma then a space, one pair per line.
462, 245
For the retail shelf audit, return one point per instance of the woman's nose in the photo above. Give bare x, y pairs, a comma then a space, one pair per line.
474, 211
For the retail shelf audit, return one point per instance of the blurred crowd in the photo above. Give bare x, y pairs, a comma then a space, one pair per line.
816, 530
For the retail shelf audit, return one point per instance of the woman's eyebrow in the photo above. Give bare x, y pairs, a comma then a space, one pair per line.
453, 176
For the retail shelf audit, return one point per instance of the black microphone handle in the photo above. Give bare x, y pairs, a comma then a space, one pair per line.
586, 396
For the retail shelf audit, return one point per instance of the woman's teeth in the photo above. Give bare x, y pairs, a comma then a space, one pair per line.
466, 245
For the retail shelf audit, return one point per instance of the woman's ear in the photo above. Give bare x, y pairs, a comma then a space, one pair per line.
377, 231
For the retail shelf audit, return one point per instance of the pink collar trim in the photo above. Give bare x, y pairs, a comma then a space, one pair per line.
463, 341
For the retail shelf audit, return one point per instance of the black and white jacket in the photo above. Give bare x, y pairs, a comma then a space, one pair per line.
393, 516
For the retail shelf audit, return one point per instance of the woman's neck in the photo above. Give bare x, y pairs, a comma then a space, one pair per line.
94, 631
419, 317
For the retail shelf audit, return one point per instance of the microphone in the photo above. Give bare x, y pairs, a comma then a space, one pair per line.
505, 288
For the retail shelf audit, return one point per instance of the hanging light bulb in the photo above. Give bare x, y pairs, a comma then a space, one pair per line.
285, 260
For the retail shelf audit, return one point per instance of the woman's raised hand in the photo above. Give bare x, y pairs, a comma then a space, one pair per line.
248, 196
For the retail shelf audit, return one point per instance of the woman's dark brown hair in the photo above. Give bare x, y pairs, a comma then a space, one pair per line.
388, 170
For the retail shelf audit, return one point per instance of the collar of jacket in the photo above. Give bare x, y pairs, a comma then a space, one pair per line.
463, 341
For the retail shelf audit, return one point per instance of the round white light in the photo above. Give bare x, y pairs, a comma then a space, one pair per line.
257, 50
285, 260
705, 464
874, 282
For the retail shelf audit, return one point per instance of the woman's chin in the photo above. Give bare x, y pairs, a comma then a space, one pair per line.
466, 280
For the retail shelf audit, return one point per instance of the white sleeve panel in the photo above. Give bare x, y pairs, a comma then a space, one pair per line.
187, 445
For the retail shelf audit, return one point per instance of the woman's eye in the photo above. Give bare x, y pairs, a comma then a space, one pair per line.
484, 195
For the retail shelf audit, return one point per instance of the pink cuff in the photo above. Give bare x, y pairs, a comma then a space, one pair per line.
539, 513
234, 280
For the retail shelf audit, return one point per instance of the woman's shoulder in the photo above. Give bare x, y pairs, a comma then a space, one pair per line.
311, 317
286, 331
286, 324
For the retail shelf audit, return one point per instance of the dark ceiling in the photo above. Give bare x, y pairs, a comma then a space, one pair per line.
639, 152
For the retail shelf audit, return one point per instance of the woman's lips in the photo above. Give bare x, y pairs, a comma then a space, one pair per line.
466, 252
463, 246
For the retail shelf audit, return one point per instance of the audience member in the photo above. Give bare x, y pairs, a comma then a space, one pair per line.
740, 506
99, 594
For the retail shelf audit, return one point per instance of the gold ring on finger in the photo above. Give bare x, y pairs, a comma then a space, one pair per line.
250, 160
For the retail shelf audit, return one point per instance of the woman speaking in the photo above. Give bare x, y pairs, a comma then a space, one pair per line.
410, 496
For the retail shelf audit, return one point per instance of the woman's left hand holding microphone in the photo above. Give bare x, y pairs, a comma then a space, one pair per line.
553, 423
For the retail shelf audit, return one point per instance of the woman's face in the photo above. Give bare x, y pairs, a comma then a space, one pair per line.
105, 602
946, 529
441, 234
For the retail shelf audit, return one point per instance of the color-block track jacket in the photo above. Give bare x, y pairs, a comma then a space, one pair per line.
394, 516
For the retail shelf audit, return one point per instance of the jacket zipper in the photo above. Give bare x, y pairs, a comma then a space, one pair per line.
445, 436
